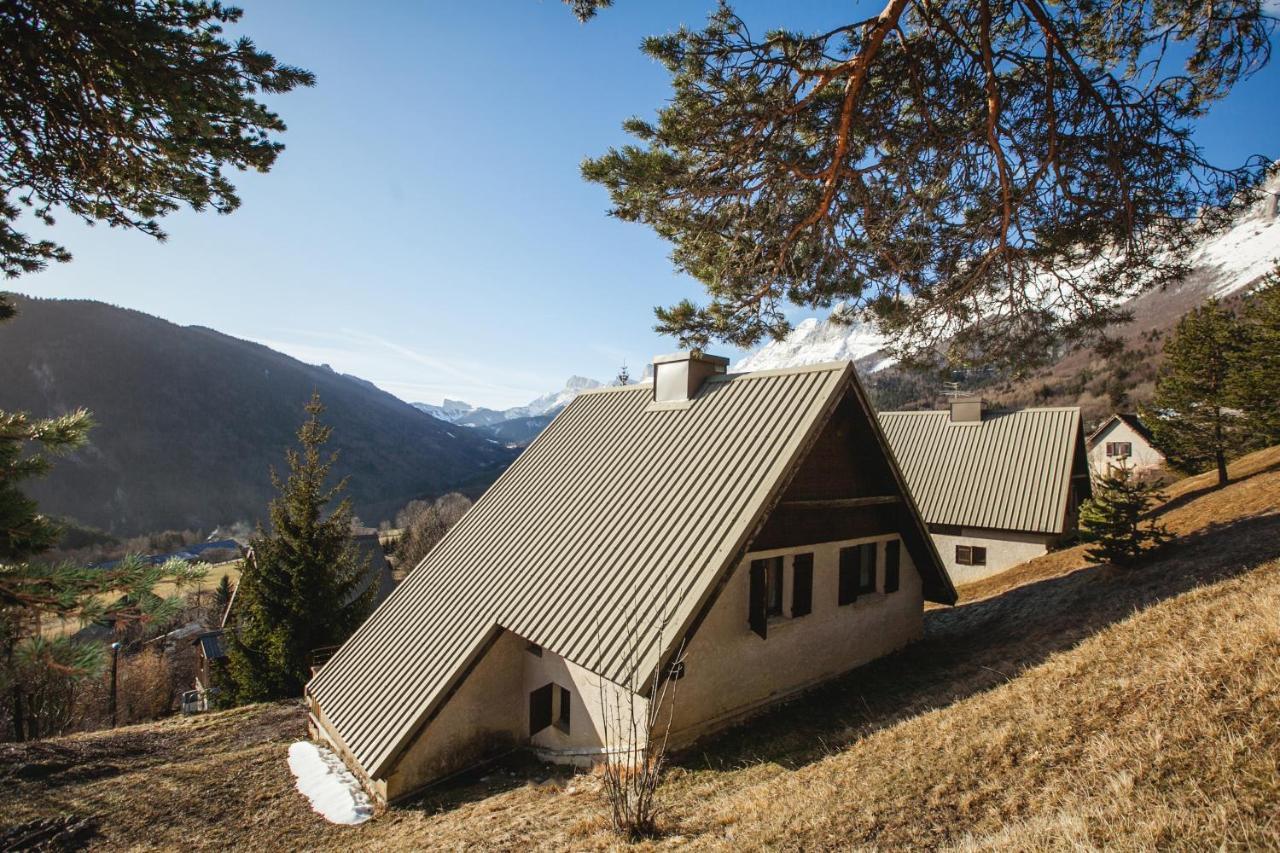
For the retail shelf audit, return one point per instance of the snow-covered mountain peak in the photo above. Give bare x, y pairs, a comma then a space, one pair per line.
813, 341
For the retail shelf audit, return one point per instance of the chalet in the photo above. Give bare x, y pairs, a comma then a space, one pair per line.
995, 488
749, 534
1122, 436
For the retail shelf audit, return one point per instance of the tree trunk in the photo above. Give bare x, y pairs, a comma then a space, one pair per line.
1219, 454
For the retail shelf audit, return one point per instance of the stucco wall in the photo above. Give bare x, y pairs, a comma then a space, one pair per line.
730, 670
483, 717
1143, 458
591, 698
1005, 549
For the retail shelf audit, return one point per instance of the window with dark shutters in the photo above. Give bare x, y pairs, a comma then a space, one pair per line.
892, 557
540, 709
758, 598
801, 584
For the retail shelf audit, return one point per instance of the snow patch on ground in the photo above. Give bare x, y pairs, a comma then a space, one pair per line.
814, 341
334, 793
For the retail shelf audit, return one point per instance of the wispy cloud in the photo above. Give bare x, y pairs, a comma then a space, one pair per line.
408, 372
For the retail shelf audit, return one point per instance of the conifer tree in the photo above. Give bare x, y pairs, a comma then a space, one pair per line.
993, 178
303, 585
623, 377
221, 597
1113, 518
1191, 415
1255, 378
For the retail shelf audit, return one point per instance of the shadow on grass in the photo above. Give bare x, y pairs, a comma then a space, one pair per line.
977, 646
1187, 497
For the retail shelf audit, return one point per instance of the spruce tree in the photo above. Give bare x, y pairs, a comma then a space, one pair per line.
303, 585
221, 598
1191, 415
1255, 378
1113, 518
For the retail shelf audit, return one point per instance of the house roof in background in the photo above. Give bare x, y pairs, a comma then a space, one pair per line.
1011, 471
621, 513
1132, 420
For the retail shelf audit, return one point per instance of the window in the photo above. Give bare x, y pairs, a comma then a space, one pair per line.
971, 555
857, 571
562, 718
892, 556
549, 705
867, 568
758, 598
540, 708
801, 585
1119, 448
774, 581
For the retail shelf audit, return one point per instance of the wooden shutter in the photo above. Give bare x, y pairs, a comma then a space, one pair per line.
849, 566
758, 617
802, 585
565, 699
892, 555
540, 709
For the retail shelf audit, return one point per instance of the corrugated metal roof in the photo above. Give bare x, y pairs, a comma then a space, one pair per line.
619, 514
1011, 471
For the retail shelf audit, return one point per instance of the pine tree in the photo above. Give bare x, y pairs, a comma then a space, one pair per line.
123, 112
623, 377
988, 178
1255, 381
221, 597
1113, 518
1191, 415
301, 585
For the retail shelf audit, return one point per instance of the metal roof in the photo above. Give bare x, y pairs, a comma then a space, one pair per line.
1009, 471
622, 513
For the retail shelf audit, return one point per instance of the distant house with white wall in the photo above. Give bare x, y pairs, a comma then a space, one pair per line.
749, 534
995, 488
1122, 436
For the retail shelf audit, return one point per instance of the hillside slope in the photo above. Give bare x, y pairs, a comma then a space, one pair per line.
190, 420
1082, 708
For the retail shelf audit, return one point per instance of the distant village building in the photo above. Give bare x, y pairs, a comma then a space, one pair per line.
749, 534
1122, 436
996, 488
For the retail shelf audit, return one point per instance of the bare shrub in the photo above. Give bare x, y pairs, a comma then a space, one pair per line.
424, 524
145, 689
636, 730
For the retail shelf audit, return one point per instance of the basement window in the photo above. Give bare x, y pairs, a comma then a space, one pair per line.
971, 555
562, 711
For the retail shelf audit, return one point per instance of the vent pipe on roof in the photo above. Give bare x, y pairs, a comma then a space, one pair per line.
966, 409
677, 377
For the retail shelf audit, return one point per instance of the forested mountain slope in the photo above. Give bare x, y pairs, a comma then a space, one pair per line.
190, 421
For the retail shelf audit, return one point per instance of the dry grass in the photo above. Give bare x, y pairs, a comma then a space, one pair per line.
1081, 708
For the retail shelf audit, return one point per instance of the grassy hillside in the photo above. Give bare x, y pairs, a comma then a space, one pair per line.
1072, 706
190, 420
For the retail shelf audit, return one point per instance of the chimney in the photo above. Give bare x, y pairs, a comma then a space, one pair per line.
966, 409
677, 377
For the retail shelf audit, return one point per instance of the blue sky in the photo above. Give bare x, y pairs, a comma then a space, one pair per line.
426, 227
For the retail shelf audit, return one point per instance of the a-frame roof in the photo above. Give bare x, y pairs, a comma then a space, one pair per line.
1010, 471
1135, 423
620, 517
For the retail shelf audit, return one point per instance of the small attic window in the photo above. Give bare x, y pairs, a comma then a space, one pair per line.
1119, 448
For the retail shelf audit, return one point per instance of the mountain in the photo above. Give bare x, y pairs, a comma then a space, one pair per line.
191, 420
814, 341
518, 425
